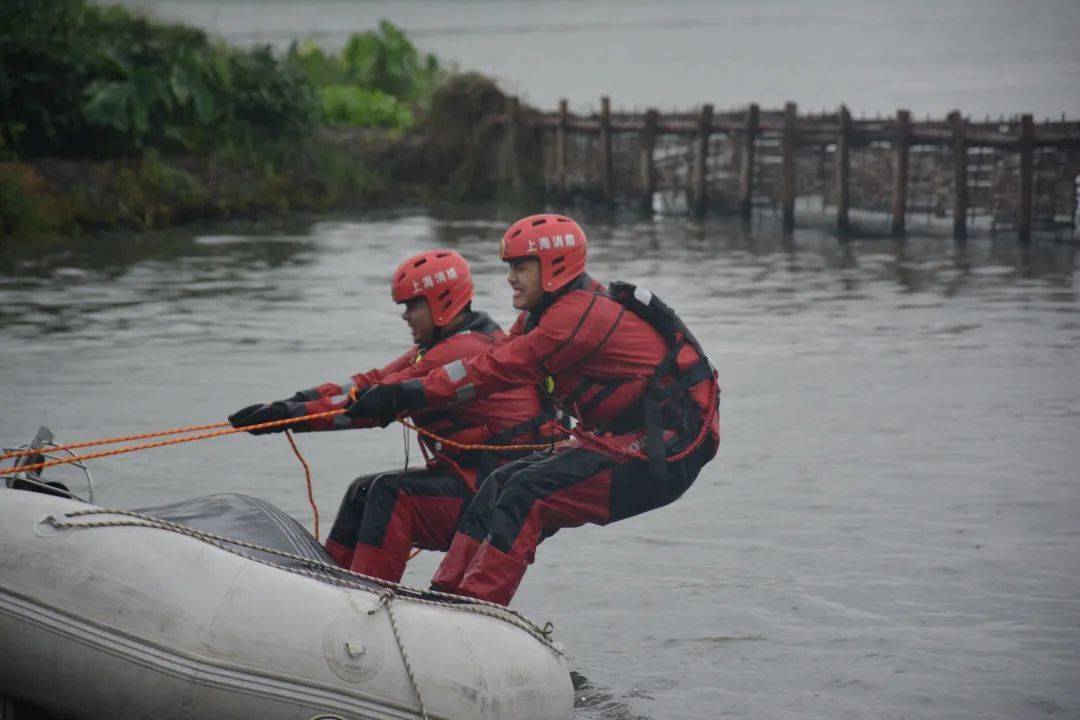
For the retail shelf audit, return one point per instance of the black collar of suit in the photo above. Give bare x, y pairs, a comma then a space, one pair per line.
581, 282
473, 321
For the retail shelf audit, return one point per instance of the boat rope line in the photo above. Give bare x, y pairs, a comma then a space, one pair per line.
583, 435
307, 479
385, 598
147, 446
314, 569
466, 446
587, 437
219, 433
80, 459
122, 438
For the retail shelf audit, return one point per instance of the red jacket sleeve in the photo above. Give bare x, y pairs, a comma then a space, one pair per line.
332, 396
432, 359
559, 341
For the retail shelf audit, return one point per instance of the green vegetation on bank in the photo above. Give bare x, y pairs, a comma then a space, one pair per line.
83, 80
379, 79
111, 118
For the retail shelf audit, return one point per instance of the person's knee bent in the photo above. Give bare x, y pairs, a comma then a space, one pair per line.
385, 489
358, 488
518, 493
516, 499
474, 519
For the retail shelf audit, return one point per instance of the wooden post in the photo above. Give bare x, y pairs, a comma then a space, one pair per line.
746, 169
901, 152
701, 158
1027, 172
513, 125
648, 169
787, 177
608, 185
843, 171
560, 152
960, 194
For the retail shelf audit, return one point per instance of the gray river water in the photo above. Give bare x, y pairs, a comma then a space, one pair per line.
890, 529
930, 56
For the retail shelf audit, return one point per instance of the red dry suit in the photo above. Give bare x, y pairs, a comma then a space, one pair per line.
639, 381
382, 516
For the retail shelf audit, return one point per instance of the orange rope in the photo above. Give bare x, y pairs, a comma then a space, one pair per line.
464, 446
714, 401
163, 443
307, 477
583, 435
108, 441
587, 437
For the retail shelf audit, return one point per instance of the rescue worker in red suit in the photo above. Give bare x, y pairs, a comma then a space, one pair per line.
639, 384
383, 516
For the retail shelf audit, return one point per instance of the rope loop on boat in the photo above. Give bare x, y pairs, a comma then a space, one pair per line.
314, 569
386, 597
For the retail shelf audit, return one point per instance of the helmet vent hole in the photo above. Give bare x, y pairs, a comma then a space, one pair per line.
441, 254
516, 233
539, 221
562, 219
557, 271
559, 260
443, 295
419, 262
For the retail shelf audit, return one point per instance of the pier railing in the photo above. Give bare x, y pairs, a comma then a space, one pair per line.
1012, 173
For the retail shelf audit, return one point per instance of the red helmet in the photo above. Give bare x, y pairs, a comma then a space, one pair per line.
556, 240
441, 277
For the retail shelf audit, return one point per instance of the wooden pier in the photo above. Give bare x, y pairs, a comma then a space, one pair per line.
1010, 174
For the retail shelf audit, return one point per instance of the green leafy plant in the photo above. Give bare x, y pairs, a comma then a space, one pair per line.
85, 80
319, 67
351, 105
385, 60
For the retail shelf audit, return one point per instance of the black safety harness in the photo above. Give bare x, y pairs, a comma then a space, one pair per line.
661, 389
655, 411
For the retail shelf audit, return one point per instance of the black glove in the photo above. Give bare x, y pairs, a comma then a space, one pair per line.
383, 403
262, 413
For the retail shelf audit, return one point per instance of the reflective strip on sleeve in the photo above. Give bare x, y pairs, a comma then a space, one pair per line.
642, 295
455, 371
466, 393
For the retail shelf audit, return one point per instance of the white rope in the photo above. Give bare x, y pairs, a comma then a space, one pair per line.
387, 596
330, 573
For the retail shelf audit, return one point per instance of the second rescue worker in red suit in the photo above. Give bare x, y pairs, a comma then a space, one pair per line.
622, 363
384, 515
